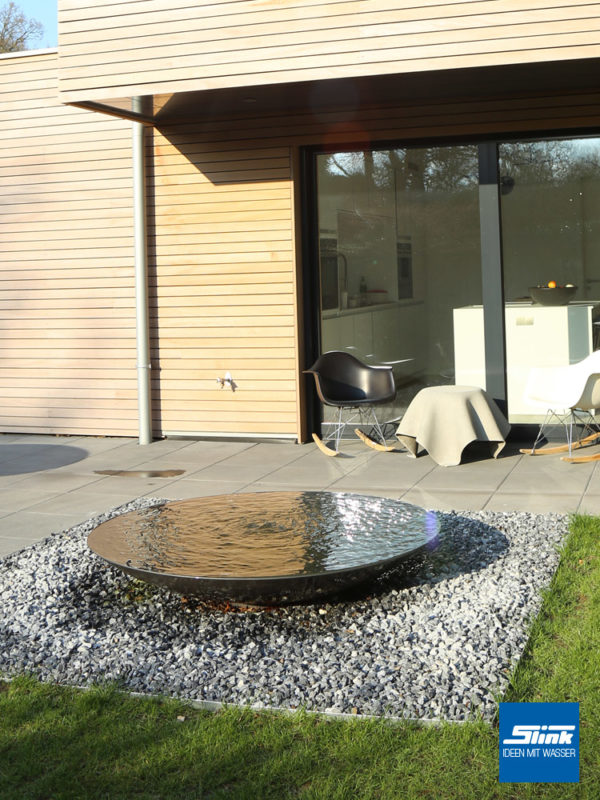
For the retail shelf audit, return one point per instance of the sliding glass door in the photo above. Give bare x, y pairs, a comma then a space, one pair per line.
399, 261
550, 199
410, 241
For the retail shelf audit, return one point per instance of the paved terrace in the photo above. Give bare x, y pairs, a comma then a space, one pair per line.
50, 483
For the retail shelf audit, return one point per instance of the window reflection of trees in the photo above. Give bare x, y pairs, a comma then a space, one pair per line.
551, 162
551, 225
449, 168
422, 169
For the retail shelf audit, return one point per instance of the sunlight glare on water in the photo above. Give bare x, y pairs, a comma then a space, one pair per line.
264, 534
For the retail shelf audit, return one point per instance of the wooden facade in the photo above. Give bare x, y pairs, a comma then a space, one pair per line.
223, 185
110, 49
227, 267
67, 345
222, 278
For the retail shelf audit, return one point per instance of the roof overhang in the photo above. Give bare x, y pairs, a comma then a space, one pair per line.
326, 95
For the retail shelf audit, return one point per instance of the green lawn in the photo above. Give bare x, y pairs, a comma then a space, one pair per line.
61, 743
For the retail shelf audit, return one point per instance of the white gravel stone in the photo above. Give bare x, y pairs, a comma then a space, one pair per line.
439, 641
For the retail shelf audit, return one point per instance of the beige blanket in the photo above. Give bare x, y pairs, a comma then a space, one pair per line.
445, 419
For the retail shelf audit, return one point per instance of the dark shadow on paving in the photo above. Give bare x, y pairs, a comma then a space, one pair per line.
18, 459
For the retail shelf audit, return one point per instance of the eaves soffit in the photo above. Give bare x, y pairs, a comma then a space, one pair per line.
326, 95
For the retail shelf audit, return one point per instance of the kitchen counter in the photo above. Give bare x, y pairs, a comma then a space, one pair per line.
379, 333
344, 312
536, 336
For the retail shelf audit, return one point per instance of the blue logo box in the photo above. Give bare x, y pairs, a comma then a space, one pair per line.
539, 742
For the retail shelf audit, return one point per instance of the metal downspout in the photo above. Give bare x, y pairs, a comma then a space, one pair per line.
142, 325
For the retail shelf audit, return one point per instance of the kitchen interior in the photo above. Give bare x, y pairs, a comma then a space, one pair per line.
387, 259
400, 261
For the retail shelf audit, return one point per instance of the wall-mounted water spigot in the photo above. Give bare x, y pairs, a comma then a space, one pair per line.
227, 381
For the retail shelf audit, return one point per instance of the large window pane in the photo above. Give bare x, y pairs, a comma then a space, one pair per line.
399, 252
550, 199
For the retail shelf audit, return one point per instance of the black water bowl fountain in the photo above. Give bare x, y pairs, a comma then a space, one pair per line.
266, 548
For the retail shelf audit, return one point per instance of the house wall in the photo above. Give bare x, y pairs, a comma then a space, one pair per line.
67, 321
222, 281
114, 48
225, 284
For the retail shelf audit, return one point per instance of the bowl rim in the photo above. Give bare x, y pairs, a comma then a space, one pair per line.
552, 288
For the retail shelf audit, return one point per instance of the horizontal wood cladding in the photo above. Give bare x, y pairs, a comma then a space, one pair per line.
479, 116
131, 48
222, 283
222, 249
67, 316
223, 253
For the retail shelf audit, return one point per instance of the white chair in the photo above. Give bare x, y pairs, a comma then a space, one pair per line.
569, 396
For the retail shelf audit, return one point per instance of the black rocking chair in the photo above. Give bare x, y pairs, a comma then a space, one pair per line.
345, 383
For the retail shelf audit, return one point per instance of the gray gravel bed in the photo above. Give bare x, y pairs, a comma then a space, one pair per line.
436, 641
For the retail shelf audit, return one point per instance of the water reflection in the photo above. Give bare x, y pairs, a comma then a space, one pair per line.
270, 534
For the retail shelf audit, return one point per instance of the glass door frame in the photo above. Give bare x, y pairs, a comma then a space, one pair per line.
490, 226
492, 273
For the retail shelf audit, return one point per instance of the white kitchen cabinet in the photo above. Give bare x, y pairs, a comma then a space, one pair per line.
378, 334
536, 336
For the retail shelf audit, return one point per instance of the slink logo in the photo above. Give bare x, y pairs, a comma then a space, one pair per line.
541, 734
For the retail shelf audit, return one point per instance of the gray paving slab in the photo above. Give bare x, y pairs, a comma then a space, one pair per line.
8, 546
50, 483
252, 463
393, 471
84, 503
105, 444
54, 481
446, 500
536, 502
26, 527
275, 454
484, 476
131, 486
164, 446
18, 499
212, 450
10, 480
589, 504
244, 473
188, 460
126, 460
120, 454
10, 437
44, 438
593, 484
392, 494
306, 478
186, 489
547, 475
